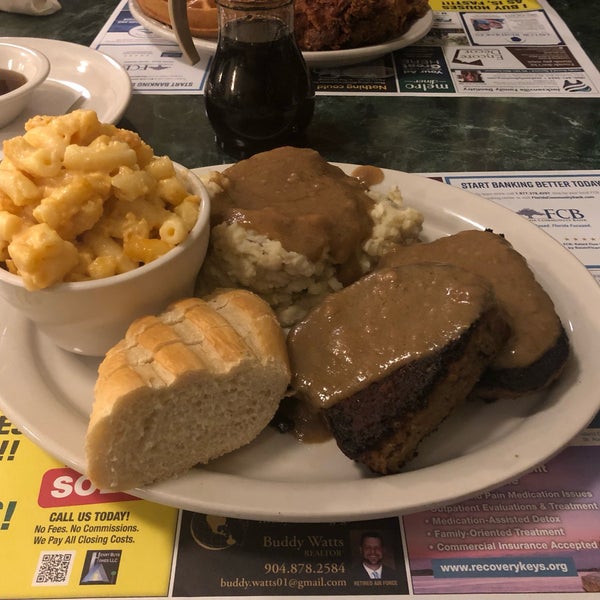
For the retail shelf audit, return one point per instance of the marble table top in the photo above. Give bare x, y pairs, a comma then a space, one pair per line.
415, 134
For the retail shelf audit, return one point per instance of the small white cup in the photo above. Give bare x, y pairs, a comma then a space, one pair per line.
31, 64
89, 317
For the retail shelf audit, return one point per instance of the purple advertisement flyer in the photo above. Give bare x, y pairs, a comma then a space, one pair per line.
540, 533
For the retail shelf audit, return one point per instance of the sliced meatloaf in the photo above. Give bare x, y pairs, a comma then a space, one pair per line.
538, 348
388, 358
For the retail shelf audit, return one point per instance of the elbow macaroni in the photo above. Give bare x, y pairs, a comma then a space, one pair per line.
81, 199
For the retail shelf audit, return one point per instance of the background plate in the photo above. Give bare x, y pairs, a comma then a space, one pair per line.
78, 76
328, 58
47, 393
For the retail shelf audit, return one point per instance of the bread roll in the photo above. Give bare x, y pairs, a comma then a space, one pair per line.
185, 387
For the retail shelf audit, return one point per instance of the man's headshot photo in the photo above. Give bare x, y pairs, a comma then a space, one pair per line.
371, 554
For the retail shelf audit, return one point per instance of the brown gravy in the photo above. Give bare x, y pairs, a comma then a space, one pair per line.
368, 174
10, 80
296, 197
532, 314
405, 313
302, 420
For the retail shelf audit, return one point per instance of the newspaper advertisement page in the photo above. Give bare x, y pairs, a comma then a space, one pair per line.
154, 63
488, 48
274, 559
61, 537
564, 204
536, 534
474, 48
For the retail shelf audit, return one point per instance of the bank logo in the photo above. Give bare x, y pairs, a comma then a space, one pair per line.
530, 213
552, 214
100, 567
576, 86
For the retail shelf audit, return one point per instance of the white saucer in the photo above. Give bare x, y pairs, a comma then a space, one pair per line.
79, 77
316, 60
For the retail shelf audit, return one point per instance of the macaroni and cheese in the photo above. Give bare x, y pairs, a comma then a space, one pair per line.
81, 199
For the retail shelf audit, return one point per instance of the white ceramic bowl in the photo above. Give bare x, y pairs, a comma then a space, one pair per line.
33, 65
89, 317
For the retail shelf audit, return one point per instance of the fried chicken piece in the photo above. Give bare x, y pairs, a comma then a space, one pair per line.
339, 24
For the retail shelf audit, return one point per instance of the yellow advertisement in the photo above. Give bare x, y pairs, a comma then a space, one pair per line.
483, 5
60, 537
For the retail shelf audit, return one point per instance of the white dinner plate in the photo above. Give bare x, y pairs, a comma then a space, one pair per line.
326, 58
47, 393
79, 77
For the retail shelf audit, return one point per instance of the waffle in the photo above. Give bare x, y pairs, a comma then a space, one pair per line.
202, 15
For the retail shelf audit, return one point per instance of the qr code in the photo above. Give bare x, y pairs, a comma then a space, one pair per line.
54, 568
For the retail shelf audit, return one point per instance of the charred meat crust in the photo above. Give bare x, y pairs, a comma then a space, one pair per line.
374, 425
360, 421
496, 383
476, 251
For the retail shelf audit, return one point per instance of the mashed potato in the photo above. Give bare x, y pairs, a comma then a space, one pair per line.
289, 281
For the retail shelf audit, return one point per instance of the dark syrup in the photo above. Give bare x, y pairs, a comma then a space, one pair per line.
10, 80
259, 94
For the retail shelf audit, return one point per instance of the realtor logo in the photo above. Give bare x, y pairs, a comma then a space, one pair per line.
100, 567
216, 533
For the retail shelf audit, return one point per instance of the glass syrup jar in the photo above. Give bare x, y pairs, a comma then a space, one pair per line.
259, 93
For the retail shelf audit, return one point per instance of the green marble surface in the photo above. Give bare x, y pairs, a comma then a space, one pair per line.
415, 134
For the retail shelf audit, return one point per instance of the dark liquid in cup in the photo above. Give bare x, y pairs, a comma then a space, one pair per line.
10, 80
259, 94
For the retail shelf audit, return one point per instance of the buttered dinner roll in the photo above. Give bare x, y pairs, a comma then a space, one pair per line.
185, 387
